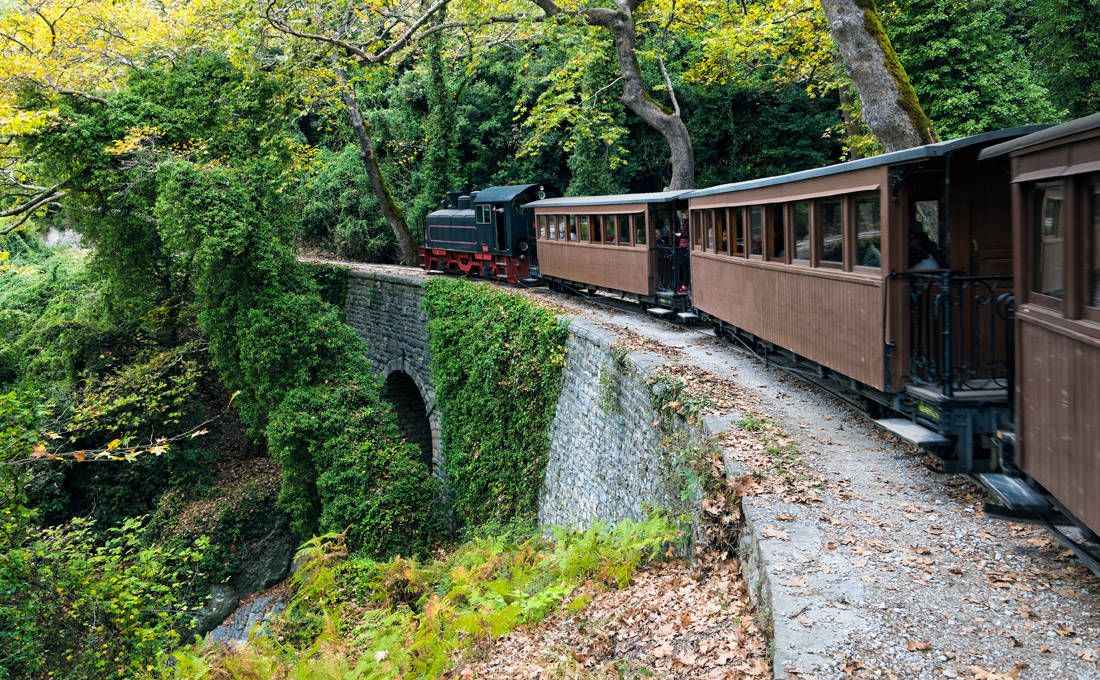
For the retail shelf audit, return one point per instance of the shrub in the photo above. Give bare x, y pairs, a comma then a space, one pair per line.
92, 610
345, 465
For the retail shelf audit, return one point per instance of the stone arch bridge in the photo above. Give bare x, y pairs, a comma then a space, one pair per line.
384, 309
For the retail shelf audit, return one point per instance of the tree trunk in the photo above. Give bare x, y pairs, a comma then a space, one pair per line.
667, 121
440, 151
890, 105
390, 210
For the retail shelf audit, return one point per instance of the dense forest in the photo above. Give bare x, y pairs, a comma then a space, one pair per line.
176, 387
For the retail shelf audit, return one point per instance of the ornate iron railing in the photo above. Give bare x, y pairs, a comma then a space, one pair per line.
961, 331
672, 268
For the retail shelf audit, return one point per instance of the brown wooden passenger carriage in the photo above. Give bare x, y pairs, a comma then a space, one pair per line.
624, 244
1055, 188
890, 276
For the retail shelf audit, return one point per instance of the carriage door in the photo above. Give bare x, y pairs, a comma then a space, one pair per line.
502, 241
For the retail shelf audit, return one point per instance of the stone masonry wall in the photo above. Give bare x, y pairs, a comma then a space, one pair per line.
605, 460
384, 309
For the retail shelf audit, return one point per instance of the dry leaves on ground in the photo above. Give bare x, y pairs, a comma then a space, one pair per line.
672, 622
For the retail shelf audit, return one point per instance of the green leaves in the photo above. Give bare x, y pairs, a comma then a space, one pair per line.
100, 605
406, 619
496, 361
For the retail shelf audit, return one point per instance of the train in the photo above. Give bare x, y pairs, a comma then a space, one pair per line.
950, 291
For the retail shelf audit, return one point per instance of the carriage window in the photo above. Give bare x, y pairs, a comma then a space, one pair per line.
542, 226
559, 221
720, 228
1047, 243
800, 216
756, 230
1094, 240
597, 230
832, 231
696, 228
572, 224
776, 248
484, 214
868, 231
708, 219
582, 228
639, 229
624, 229
738, 231
924, 236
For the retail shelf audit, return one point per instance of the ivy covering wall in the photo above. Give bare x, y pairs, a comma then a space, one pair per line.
496, 361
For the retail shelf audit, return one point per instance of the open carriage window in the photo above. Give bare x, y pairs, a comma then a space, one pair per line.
624, 229
777, 248
756, 230
1094, 244
830, 218
925, 251
800, 217
737, 231
1048, 241
722, 231
868, 230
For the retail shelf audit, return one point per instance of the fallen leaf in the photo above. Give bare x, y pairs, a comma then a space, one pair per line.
775, 532
918, 646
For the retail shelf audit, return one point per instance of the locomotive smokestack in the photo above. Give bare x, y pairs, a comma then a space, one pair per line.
452, 198
464, 203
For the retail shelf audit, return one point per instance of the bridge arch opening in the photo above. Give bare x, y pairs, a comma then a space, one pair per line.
412, 413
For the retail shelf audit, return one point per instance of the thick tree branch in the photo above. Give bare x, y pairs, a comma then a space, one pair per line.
367, 153
397, 43
82, 95
43, 197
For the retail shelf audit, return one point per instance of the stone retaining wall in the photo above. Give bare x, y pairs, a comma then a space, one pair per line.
605, 452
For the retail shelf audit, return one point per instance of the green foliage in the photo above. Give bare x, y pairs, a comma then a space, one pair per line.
302, 378
102, 381
404, 619
73, 607
238, 514
496, 360
967, 64
200, 107
340, 213
1066, 45
332, 282
345, 465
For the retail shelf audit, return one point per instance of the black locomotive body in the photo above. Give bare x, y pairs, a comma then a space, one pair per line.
486, 233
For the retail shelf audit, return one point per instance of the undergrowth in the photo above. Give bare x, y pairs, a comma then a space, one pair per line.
361, 619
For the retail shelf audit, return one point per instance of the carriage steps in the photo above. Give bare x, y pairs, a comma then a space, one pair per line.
910, 432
